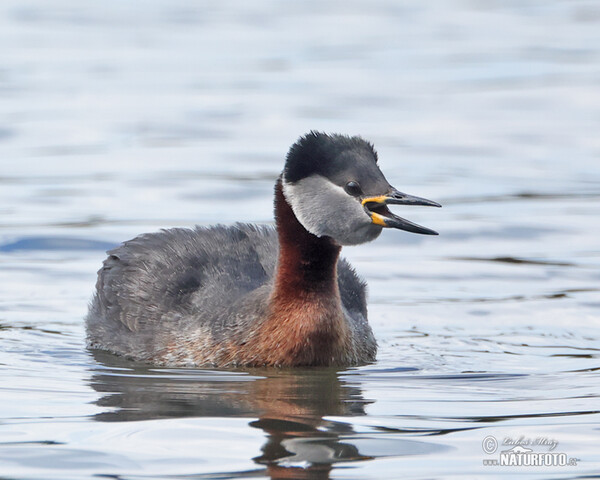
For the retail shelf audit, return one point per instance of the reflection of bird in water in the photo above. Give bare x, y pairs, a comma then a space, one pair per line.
289, 404
134, 392
216, 296
295, 450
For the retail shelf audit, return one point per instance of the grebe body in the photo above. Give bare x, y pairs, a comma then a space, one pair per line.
254, 295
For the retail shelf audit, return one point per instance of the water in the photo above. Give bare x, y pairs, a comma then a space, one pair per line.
118, 118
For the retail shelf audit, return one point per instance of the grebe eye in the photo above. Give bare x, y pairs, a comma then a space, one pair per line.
353, 188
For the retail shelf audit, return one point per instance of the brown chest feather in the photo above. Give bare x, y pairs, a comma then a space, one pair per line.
301, 332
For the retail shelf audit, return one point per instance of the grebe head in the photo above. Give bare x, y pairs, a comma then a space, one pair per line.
335, 189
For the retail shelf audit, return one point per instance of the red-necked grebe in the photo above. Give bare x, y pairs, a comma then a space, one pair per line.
252, 295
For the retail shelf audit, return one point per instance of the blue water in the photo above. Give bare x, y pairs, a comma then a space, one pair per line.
118, 118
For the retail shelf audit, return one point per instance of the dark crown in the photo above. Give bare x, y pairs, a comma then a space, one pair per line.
321, 153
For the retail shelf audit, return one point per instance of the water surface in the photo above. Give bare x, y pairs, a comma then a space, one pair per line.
118, 119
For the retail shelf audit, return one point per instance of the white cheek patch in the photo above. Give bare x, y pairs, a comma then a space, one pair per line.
325, 209
311, 198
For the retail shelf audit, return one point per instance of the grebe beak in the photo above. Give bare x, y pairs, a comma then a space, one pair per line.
377, 209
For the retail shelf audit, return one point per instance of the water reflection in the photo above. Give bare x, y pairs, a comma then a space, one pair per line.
290, 407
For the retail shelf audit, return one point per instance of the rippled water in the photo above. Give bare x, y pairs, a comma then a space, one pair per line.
118, 118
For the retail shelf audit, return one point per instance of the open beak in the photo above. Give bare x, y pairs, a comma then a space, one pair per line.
377, 209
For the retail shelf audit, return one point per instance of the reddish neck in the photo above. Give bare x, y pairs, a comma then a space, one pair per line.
305, 325
307, 264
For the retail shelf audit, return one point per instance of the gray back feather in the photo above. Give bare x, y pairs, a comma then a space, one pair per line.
181, 279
